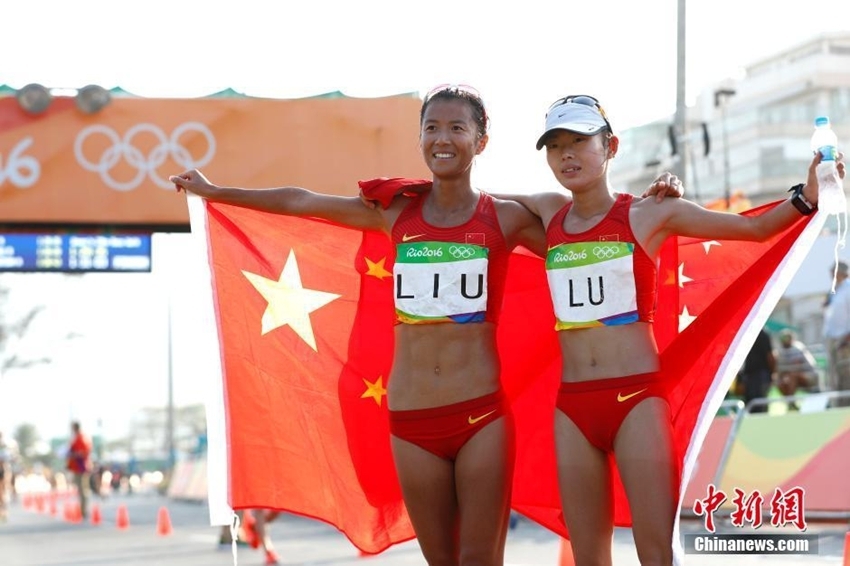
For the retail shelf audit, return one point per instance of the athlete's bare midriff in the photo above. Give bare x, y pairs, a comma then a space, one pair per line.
608, 351
441, 364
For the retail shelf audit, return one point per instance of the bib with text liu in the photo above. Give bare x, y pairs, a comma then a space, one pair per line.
440, 282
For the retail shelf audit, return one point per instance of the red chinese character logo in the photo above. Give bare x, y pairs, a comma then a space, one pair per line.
709, 505
747, 508
788, 508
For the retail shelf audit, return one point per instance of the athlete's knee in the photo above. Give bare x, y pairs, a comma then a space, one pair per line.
440, 557
599, 555
656, 557
480, 557
655, 550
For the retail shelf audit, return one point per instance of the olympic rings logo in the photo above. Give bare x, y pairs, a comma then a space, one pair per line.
604, 252
145, 165
461, 252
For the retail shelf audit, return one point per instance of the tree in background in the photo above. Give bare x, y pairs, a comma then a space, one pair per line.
26, 436
31, 449
11, 332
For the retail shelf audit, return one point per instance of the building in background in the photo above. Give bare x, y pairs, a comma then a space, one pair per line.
748, 142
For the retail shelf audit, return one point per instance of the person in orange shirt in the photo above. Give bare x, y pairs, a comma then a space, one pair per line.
79, 464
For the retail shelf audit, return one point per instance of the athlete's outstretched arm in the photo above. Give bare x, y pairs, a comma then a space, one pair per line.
688, 219
290, 201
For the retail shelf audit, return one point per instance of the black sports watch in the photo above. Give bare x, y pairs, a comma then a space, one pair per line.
799, 200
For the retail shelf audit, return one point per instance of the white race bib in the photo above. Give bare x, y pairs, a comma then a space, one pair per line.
440, 282
592, 284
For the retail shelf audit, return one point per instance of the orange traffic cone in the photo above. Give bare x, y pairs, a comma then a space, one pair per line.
163, 522
95, 514
566, 558
847, 549
76, 513
122, 517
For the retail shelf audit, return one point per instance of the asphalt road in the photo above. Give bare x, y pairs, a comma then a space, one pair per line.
32, 538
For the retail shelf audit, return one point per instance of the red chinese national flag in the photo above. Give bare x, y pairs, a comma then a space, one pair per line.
305, 373
305, 315
714, 297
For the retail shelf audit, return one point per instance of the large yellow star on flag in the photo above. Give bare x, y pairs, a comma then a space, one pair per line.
375, 390
377, 269
289, 303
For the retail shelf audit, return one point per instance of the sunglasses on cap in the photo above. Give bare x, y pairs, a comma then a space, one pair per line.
584, 99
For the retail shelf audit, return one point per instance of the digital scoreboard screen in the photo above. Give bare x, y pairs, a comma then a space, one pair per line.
75, 252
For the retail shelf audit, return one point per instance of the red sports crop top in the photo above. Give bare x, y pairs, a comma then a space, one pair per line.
455, 274
602, 276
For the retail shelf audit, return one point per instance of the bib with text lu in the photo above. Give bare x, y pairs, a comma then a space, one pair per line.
592, 284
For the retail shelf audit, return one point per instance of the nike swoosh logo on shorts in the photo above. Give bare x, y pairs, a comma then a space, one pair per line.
407, 238
473, 420
621, 397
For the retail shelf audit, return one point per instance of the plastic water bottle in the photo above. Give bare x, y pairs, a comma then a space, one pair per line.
831, 198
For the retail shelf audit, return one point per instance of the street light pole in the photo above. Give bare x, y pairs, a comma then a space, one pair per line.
721, 98
172, 457
164, 273
680, 166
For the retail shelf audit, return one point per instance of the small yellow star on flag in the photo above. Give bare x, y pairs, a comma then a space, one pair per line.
685, 319
289, 303
707, 245
377, 269
375, 390
682, 277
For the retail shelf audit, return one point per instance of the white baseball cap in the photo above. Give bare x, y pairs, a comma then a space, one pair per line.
580, 114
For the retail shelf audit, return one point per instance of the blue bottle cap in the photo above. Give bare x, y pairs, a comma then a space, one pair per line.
821, 121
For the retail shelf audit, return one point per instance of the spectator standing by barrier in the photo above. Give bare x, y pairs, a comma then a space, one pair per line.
795, 366
836, 331
757, 374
